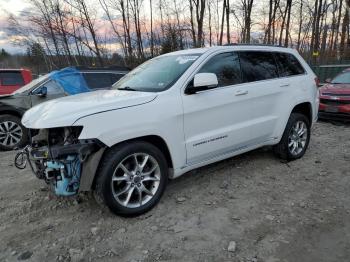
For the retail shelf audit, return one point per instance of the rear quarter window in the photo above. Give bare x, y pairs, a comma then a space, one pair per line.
288, 65
257, 65
11, 79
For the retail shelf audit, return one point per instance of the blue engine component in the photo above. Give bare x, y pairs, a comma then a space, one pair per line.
65, 174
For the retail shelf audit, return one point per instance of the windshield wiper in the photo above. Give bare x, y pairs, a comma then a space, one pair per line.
127, 88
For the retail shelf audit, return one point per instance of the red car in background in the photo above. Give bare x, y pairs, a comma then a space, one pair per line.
335, 98
13, 79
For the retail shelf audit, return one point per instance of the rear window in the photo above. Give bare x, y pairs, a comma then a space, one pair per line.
11, 78
99, 80
115, 77
288, 65
257, 66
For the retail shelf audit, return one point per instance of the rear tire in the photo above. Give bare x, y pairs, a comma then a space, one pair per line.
131, 178
295, 138
12, 133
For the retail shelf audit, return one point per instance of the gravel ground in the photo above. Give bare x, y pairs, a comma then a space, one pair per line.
248, 208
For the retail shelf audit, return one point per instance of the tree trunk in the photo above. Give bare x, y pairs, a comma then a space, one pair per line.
228, 21
193, 32
152, 42
268, 29
200, 9
335, 43
344, 31
210, 26
300, 24
289, 4
222, 22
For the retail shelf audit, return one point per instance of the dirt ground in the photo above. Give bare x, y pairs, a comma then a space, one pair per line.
273, 211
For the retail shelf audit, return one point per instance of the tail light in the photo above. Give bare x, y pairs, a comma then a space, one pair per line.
317, 81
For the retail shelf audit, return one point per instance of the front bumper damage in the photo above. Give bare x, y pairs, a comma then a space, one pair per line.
68, 168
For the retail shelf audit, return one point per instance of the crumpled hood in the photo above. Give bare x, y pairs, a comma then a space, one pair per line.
65, 111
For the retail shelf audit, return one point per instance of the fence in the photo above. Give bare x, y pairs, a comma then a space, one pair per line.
329, 71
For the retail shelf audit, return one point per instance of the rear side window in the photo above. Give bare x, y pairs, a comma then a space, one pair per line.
258, 66
11, 78
226, 67
288, 65
98, 80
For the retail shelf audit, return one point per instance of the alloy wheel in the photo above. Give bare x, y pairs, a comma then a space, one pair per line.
10, 133
136, 180
297, 138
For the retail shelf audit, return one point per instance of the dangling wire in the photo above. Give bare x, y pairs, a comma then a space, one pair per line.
21, 160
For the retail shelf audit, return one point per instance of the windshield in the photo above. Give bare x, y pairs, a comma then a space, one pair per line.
157, 74
343, 78
32, 84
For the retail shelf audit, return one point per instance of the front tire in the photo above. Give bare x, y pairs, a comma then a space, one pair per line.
131, 178
12, 133
295, 139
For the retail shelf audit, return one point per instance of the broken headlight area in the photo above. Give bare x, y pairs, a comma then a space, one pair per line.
57, 156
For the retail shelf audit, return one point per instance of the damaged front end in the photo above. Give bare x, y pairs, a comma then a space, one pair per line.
57, 156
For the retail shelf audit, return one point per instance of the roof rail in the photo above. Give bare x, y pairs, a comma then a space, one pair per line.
245, 44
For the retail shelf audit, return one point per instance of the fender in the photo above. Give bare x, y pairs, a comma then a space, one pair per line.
285, 120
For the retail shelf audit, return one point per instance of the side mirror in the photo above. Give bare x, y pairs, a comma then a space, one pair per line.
42, 92
201, 82
328, 80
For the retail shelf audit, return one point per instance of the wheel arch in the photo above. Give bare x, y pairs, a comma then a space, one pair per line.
304, 108
155, 140
11, 112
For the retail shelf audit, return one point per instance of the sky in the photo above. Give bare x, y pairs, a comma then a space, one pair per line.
16, 7
9, 6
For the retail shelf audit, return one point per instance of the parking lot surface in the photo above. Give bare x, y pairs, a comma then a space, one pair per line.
267, 209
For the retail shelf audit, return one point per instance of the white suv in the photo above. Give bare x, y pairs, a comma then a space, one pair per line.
174, 113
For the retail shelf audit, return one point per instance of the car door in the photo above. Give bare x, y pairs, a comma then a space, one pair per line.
266, 89
217, 121
53, 90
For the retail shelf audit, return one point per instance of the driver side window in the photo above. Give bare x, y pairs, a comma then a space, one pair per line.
226, 67
52, 88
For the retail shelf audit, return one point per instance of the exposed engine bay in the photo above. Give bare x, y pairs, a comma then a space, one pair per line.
57, 156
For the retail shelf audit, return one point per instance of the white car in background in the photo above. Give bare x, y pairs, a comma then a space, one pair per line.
172, 114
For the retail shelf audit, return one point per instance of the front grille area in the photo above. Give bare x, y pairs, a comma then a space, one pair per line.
332, 102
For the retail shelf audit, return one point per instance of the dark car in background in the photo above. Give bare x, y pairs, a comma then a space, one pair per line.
68, 81
335, 98
13, 79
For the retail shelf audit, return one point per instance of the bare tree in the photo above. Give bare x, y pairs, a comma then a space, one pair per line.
247, 11
222, 21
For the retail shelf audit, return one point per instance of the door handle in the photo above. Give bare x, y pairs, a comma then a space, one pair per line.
241, 92
284, 85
